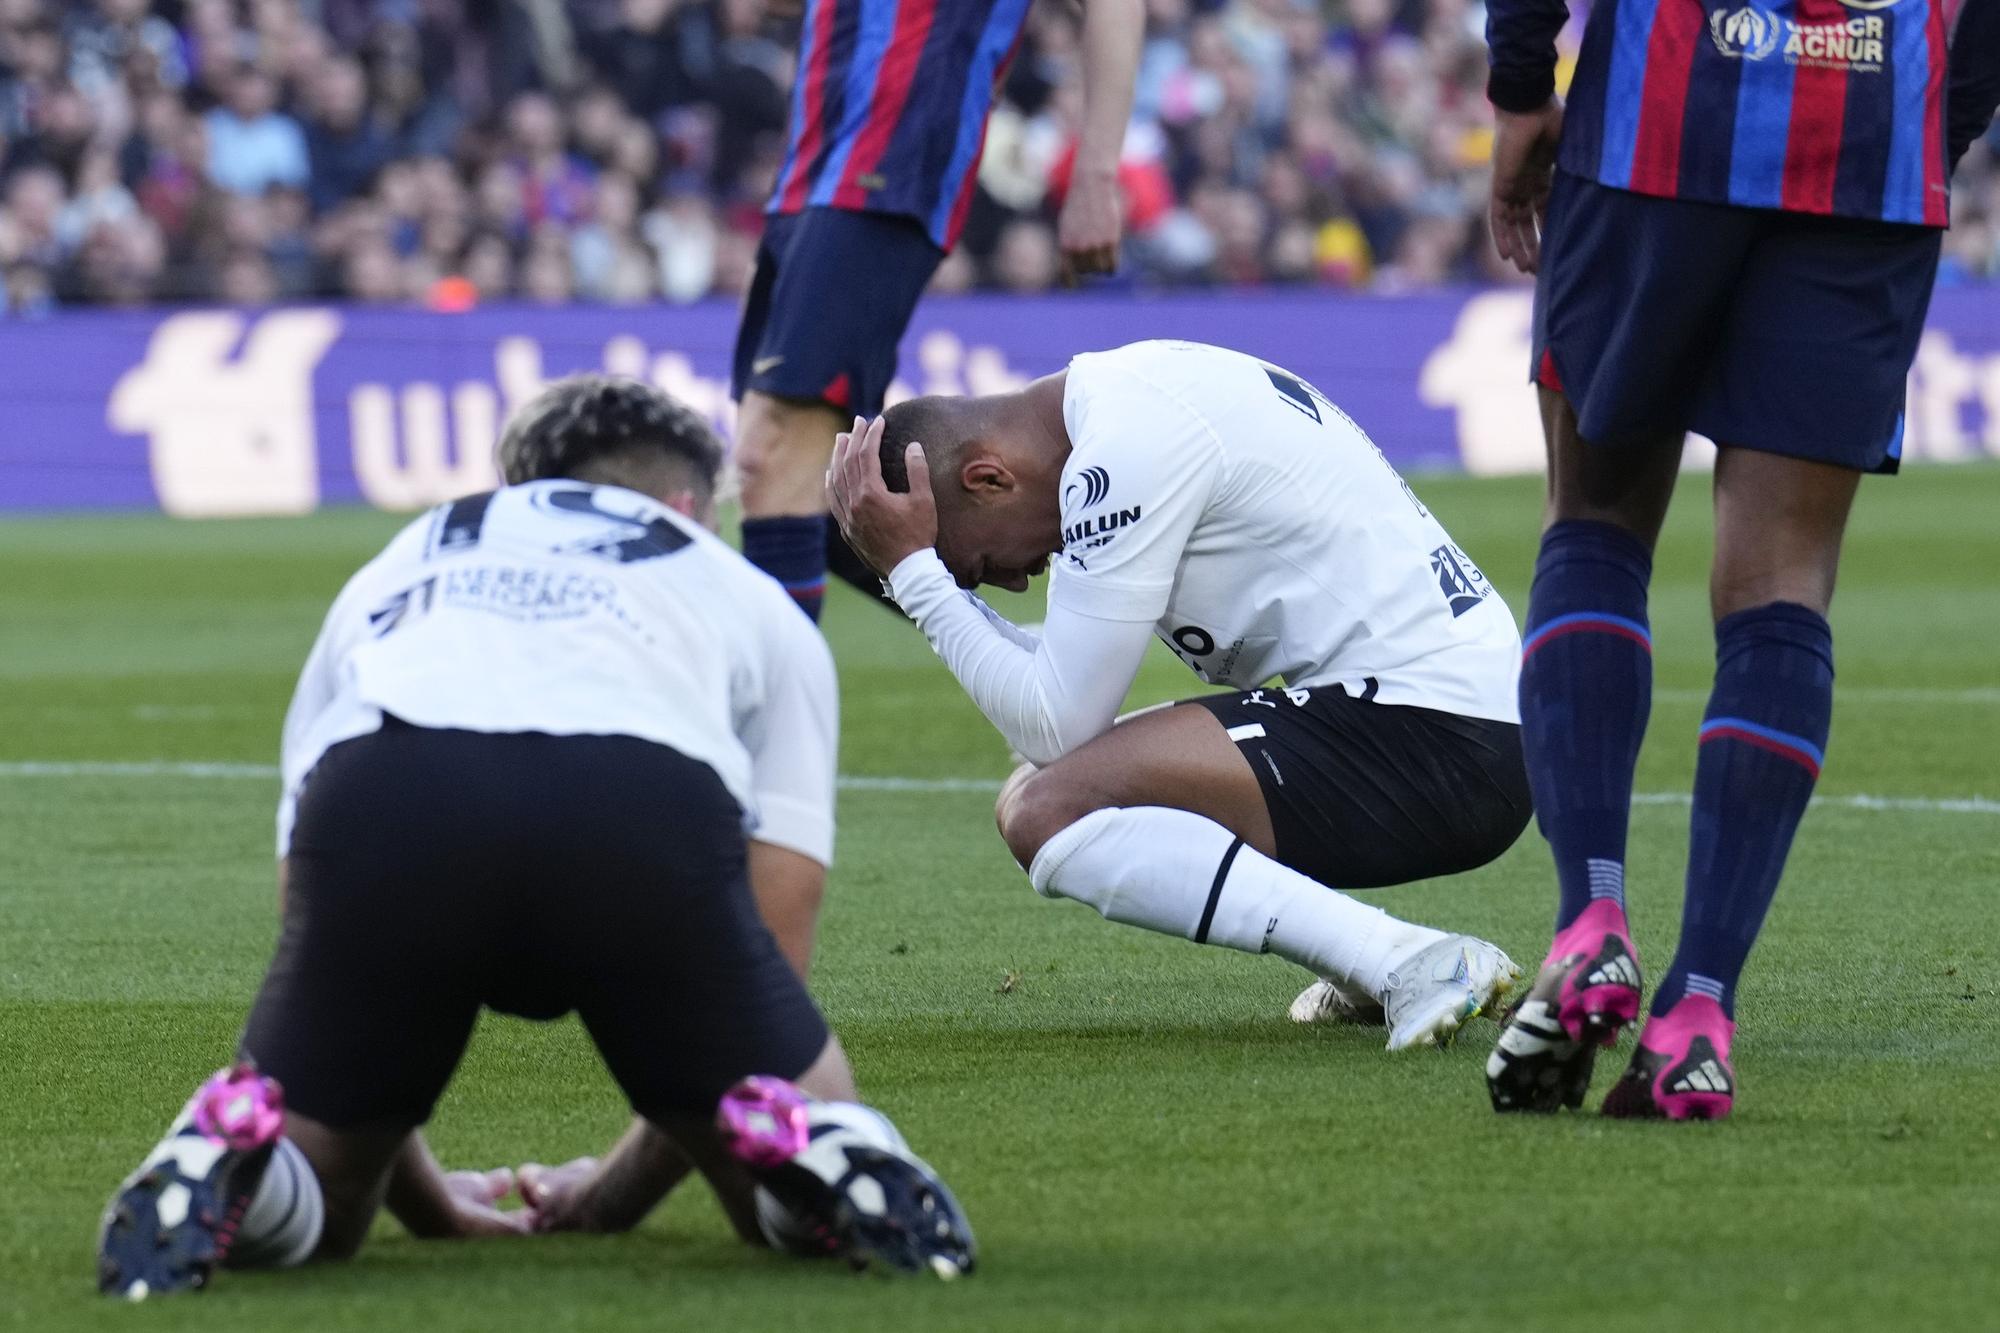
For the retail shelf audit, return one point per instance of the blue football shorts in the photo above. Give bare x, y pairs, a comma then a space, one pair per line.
1781, 332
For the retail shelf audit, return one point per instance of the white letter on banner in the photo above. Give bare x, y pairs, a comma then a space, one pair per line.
229, 437
1481, 374
1989, 397
1940, 382
438, 460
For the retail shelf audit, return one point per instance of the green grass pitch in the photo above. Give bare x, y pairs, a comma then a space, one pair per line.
1140, 1137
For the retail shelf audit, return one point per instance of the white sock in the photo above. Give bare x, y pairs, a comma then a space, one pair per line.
281, 1227
1181, 874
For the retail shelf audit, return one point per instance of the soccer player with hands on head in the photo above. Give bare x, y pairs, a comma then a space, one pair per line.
1226, 506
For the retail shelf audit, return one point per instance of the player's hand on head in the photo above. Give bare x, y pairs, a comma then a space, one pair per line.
884, 527
1524, 157
1089, 225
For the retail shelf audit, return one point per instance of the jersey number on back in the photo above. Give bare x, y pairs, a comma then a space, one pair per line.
463, 522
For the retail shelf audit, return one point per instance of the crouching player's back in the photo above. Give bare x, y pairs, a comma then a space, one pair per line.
558, 749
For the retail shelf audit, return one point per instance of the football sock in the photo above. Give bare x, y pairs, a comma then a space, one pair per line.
281, 1227
1182, 874
1586, 690
792, 550
1762, 742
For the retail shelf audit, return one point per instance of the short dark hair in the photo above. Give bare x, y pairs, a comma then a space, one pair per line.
944, 426
586, 421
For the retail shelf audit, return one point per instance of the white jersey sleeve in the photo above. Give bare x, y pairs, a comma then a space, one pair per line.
1143, 463
318, 687
792, 733
1046, 696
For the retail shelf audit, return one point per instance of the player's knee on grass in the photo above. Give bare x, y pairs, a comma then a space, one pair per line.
782, 448
1035, 805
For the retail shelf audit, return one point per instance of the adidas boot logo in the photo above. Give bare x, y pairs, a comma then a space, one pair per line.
1618, 970
1708, 1076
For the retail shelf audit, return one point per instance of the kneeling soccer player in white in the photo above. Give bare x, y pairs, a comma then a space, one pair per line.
557, 749
1228, 507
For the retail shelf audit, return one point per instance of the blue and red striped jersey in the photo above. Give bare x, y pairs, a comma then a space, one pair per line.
889, 108
1834, 107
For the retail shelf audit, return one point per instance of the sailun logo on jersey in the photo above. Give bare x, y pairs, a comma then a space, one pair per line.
1095, 483
1093, 531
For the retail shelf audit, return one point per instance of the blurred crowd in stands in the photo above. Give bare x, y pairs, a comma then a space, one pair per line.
452, 152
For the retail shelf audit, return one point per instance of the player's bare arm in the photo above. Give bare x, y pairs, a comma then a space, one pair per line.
617, 1191
789, 887
1092, 216
1521, 85
1524, 158
435, 1204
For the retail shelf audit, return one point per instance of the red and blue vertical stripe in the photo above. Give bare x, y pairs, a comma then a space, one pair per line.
1781, 743
889, 110
1811, 106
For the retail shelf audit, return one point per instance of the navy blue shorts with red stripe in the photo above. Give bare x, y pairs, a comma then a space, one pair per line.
1781, 332
831, 298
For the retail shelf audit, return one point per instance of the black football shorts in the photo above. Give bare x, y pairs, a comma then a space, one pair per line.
435, 872
1363, 795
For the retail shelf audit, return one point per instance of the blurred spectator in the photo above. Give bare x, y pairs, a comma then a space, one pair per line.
346, 143
1026, 259
638, 56
452, 152
251, 145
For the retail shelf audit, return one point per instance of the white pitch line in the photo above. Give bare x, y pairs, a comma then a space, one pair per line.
867, 782
863, 782
150, 768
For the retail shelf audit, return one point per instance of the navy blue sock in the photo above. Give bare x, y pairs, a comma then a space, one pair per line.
1586, 691
791, 550
1762, 742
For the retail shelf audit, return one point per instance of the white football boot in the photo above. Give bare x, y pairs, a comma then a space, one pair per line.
1438, 989
1333, 1004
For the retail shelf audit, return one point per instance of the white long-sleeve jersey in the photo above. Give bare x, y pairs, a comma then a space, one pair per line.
1230, 508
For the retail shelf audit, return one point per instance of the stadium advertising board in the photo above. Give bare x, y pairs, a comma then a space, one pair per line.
209, 413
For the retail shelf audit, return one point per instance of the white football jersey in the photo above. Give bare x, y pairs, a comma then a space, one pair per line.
1235, 505
574, 609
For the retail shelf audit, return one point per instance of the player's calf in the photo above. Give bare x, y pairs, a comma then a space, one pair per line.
224, 1186
780, 460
